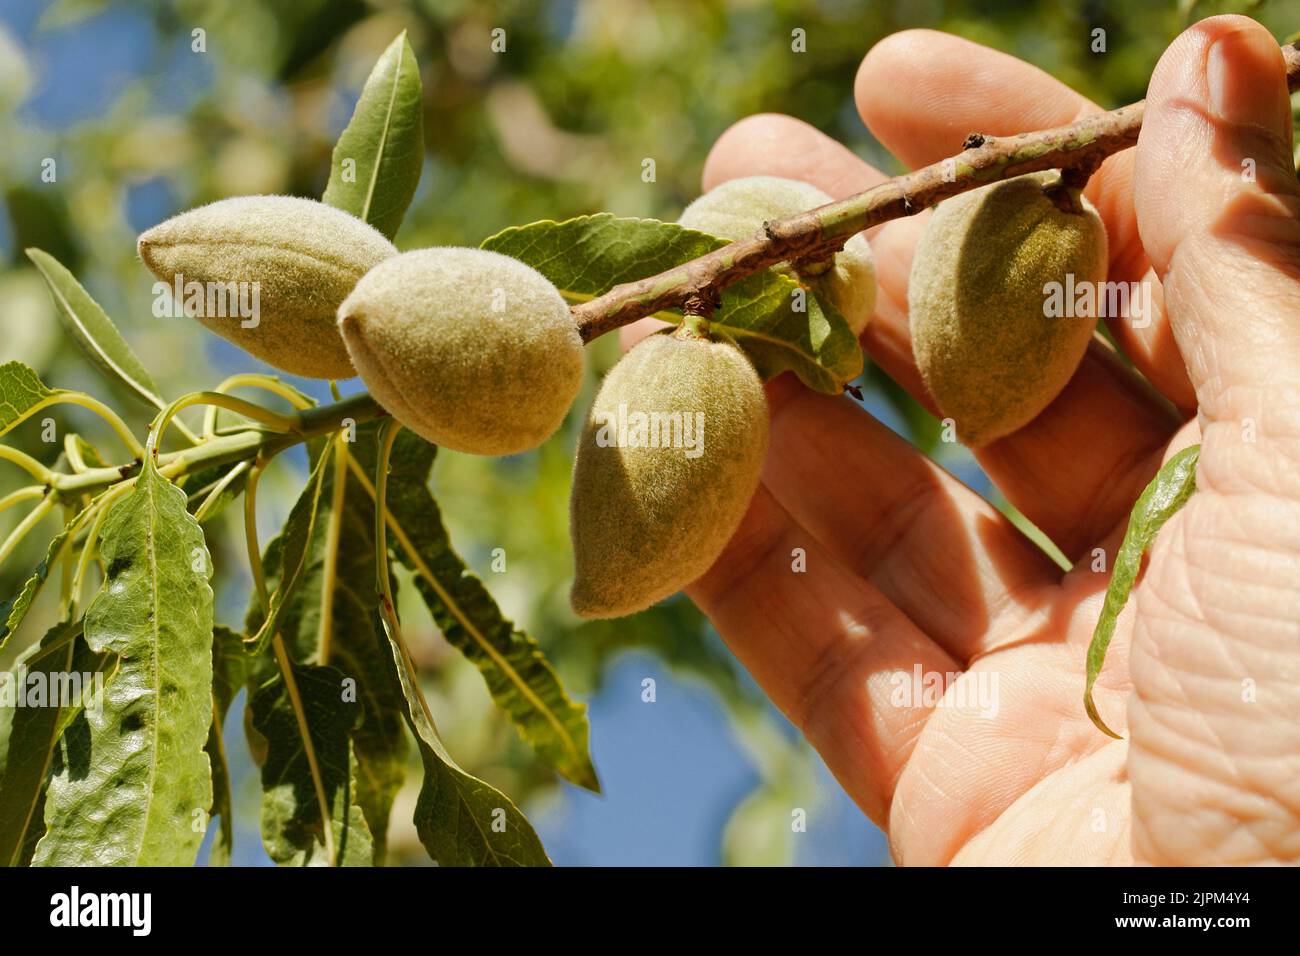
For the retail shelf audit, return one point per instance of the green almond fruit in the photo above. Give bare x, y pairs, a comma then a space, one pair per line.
738, 208
470, 349
268, 273
668, 461
978, 297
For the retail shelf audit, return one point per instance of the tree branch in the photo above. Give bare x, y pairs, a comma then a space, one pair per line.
244, 445
1077, 149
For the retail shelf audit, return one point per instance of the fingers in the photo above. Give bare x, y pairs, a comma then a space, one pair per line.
1219, 210
1076, 469
939, 552
826, 646
952, 87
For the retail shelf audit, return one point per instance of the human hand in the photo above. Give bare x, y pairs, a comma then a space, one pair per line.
907, 568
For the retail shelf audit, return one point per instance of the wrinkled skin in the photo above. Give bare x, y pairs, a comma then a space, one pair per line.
906, 566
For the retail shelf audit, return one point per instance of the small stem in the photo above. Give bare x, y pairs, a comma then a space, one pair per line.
218, 486
250, 536
65, 397
272, 420
103, 411
283, 661
28, 464
22, 494
266, 383
73, 453
33, 518
333, 532
226, 449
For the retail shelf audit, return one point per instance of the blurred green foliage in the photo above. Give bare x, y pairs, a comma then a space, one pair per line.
555, 126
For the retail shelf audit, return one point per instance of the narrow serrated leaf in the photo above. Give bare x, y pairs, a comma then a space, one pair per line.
93, 330
131, 788
292, 827
461, 821
1168, 491
30, 728
378, 158
522, 683
779, 331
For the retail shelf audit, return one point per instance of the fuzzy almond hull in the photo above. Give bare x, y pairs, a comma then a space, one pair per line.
669, 459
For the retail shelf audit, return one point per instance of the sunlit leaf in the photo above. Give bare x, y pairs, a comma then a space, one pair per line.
377, 161
21, 392
135, 787
29, 733
94, 330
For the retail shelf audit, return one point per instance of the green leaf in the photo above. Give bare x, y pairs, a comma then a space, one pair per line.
587, 256
229, 673
94, 330
521, 681
21, 393
30, 733
353, 645
1159, 501
763, 317
383, 144
461, 821
131, 789
292, 825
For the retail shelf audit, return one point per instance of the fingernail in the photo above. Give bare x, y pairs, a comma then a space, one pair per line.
1247, 80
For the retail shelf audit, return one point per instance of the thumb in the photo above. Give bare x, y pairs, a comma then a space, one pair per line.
1218, 208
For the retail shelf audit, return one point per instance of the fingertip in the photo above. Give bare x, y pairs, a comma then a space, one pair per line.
740, 146
1218, 118
891, 62
773, 144
922, 92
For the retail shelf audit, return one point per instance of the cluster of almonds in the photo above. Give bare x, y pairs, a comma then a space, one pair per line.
478, 352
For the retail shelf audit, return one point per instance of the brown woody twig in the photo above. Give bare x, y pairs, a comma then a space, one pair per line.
1077, 149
